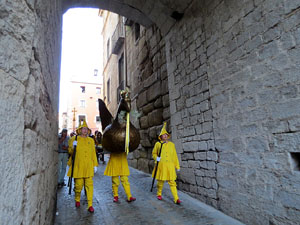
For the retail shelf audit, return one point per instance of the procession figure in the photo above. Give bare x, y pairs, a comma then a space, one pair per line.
85, 164
166, 161
119, 138
99, 148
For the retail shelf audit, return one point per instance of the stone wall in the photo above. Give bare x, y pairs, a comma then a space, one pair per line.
149, 84
191, 109
233, 72
29, 72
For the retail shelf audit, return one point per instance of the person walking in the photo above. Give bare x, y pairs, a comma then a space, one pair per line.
85, 164
166, 160
62, 156
99, 148
117, 168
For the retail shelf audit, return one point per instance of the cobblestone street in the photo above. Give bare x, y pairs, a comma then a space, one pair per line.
145, 210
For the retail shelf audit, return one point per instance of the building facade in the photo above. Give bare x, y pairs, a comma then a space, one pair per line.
83, 102
113, 59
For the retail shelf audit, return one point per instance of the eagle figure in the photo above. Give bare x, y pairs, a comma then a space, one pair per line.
114, 129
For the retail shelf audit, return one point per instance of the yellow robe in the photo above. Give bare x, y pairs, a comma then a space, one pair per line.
117, 165
168, 161
85, 159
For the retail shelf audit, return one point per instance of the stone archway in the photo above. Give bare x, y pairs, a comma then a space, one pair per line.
29, 80
163, 13
233, 75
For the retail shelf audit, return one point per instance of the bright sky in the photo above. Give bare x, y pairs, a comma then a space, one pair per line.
81, 48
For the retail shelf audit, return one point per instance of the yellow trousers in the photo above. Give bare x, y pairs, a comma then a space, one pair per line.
172, 184
89, 187
125, 183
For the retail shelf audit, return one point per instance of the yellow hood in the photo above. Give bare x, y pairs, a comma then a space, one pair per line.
163, 131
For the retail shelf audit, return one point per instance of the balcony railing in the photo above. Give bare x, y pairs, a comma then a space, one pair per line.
118, 38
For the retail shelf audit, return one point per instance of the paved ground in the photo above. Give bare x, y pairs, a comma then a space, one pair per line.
145, 210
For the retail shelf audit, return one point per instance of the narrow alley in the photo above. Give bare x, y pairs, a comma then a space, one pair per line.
145, 210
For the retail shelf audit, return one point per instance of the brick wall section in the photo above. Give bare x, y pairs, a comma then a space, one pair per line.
149, 84
234, 83
191, 110
29, 73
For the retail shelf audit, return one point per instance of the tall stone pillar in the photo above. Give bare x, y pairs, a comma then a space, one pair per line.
30, 44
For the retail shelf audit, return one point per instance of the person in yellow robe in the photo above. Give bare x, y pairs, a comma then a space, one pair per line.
85, 164
167, 163
117, 168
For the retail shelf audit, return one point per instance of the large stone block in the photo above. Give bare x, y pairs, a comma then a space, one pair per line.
158, 103
143, 54
155, 117
154, 91
166, 113
190, 146
187, 175
142, 100
148, 108
142, 164
144, 122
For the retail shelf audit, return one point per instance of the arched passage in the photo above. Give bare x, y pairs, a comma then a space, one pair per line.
162, 13
233, 71
30, 49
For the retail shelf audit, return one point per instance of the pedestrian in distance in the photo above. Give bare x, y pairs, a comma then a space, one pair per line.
117, 168
85, 164
166, 161
62, 156
99, 148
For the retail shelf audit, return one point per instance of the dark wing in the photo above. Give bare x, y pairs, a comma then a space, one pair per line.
105, 116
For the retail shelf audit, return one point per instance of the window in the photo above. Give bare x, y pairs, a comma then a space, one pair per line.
98, 90
95, 72
121, 68
121, 77
81, 117
98, 119
82, 103
82, 89
136, 31
108, 48
108, 90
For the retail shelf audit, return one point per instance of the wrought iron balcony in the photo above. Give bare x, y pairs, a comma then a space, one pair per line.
118, 38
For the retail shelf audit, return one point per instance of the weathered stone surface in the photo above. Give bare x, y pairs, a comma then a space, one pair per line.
166, 114
29, 87
186, 175
142, 99
144, 122
132, 163
154, 91
148, 108
233, 81
165, 100
142, 165
155, 117
245, 109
